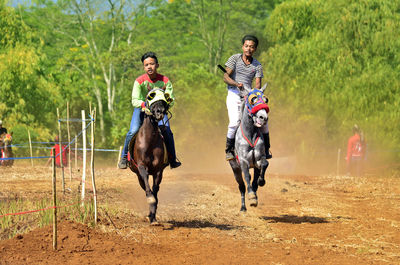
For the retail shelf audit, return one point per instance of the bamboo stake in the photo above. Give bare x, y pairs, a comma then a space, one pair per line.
30, 146
54, 201
84, 157
338, 162
69, 141
92, 165
90, 114
76, 152
119, 155
61, 151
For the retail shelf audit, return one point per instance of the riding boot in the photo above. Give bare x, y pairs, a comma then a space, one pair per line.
170, 144
230, 147
267, 146
123, 163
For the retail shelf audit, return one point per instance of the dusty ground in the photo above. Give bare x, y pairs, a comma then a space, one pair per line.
299, 220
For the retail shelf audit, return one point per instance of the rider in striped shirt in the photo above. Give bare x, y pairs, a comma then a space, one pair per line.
241, 69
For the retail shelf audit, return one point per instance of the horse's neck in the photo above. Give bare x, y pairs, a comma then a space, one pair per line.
150, 126
247, 124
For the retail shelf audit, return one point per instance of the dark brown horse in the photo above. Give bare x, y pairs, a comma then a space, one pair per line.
148, 150
6, 150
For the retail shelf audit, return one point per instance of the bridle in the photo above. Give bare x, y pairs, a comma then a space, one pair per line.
255, 101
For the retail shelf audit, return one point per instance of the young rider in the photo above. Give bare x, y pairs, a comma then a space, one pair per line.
241, 69
151, 79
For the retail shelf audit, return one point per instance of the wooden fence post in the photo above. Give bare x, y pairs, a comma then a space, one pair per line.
61, 151
92, 165
54, 201
84, 157
119, 155
338, 162
76, 152
30, 147
69, 142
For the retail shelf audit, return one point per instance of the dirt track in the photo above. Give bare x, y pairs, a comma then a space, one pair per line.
299, 220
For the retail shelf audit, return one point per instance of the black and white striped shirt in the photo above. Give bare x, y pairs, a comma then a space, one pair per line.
243, 73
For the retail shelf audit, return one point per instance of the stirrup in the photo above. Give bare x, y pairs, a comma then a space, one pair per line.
123, 163
229, 156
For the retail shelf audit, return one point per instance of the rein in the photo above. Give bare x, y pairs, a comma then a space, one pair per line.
247, 140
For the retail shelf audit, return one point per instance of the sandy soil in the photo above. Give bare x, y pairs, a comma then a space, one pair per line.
299, 220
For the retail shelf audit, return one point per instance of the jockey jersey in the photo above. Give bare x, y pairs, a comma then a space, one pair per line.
143, 84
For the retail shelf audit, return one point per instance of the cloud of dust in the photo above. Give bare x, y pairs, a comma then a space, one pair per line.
291, 153
204, 155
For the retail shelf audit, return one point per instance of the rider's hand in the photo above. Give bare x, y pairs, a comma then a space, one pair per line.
144, 108
240, 86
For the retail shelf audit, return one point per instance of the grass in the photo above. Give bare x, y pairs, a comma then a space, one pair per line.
70, 208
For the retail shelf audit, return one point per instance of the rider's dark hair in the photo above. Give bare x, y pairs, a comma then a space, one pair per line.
149, 55
252, 38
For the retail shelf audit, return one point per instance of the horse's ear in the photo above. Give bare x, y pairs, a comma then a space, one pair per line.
264, 87
168, 98
164, 87
11, 133
148, 87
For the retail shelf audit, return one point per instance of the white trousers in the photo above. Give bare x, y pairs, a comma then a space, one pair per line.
234, 104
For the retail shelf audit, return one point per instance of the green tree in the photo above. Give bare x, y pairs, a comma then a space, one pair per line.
27, 96
333, 64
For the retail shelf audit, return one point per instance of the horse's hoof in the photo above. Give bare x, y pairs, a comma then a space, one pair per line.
243, 209
155, 223
261, 182
252, 196
151, 199
253, 202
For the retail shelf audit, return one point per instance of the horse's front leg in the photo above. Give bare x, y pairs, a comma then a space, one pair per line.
250, 192
254, 183
264, 166
237, 172
156, 187
145, 177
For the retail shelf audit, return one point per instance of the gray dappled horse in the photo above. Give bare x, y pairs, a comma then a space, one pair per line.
6, 150
249, 146
147, 150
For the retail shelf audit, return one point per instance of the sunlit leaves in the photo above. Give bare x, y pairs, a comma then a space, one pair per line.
344, 57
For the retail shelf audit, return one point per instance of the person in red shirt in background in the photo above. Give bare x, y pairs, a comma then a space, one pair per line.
64, 154
355, 152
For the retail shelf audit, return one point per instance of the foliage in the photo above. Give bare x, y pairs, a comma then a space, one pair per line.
334, 64
26, 94
329, 64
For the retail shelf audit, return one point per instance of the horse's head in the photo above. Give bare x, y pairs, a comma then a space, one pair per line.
158, 102
256, 105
